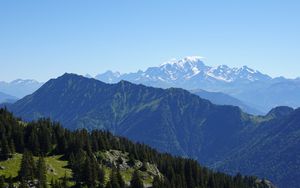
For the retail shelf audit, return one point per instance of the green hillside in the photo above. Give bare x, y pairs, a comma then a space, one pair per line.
174, 121
95, 159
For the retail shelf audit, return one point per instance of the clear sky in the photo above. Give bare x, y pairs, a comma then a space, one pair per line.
44, 39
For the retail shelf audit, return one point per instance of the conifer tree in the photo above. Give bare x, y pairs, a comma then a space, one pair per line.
108, 185
41, 173
136, 181
5, 150
101, 176
113, 179
120, 179
2, 182
157, 182
90, 172
10, 183
23, 184
27, 169
64, 182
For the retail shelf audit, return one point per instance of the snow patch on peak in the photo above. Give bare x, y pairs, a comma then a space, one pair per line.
249, 70
21, 81
192, 60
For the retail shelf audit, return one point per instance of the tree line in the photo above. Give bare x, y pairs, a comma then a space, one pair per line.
47, 138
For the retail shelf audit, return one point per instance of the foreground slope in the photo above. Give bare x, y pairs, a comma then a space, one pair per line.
98, 160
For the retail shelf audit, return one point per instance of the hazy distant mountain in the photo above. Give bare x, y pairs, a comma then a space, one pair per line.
278, 92
175, 121
224, 99
244, 83
5, 98
19, 87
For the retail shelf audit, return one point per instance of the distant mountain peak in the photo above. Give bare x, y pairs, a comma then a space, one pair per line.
88, 76
189, 72
280, 111
186, 61
70, 75
23, 81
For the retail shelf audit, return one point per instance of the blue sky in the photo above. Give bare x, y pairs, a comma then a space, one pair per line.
44, 39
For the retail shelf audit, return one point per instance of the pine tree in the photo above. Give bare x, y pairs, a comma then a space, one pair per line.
23, 184
2, 182
5, 150
33, 142
108, 185
27, 169
44, 139
12, 146
10, 183
90, 172
136, 181
120, 179
157, 182
77, 166
101, 176
64, 182
113, 180
41, 173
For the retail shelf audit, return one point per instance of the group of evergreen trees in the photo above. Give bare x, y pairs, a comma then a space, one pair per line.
46, 138
31, 172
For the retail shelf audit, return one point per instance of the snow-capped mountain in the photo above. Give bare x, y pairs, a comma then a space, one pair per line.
19, 87
23, 82
109, 76
175, 72
246, 84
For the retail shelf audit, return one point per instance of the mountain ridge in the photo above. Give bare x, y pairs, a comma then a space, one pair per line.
6, 98
243, 83
20, 87
170, 120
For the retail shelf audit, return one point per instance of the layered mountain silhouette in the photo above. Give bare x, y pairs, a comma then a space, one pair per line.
19, 88
224, 99
256, 89
175, 121
270, 150
5, 98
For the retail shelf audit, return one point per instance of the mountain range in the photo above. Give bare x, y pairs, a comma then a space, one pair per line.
5, 98
254, 88
175, 121
19, 88
225, 99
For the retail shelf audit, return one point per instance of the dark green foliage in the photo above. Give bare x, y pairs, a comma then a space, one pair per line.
59, 184
120, 179
28, 167
41, 173
79, 150
2, 182
175, 121
157, 182
23, 184
115, 179
10, 183
136, 181
5, 152
90, 171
